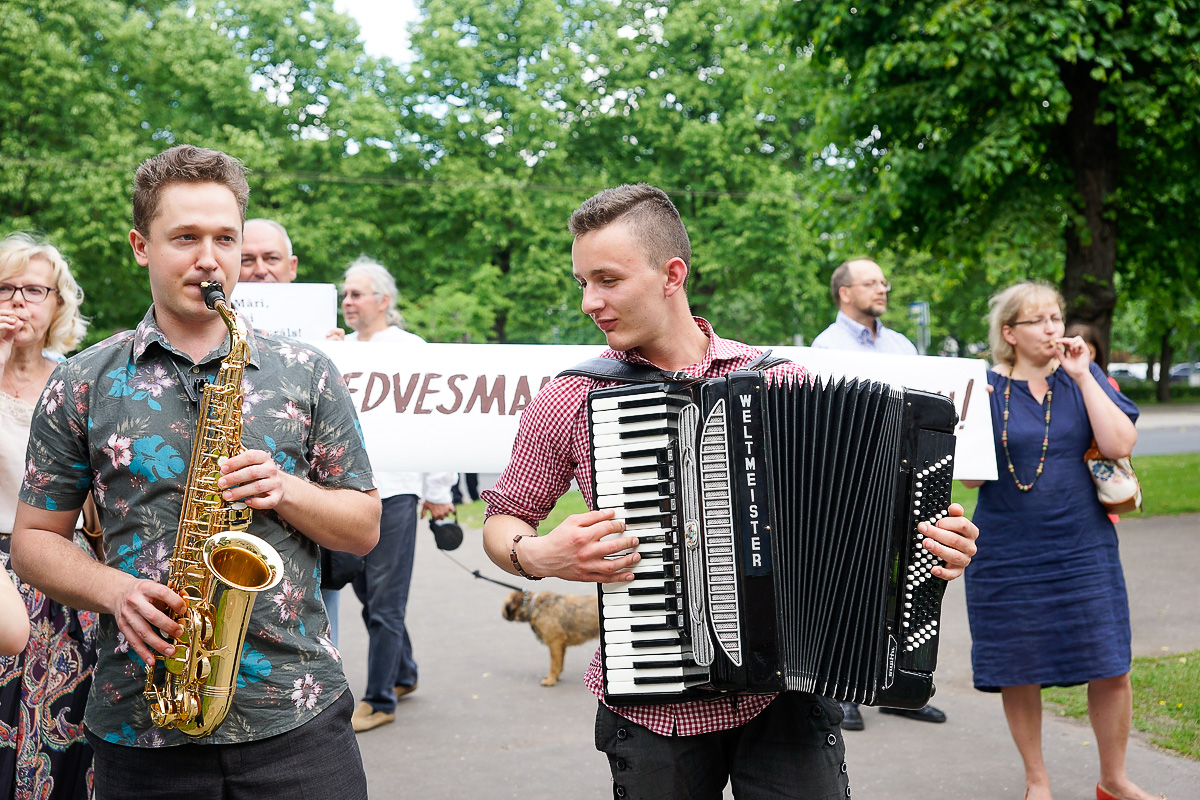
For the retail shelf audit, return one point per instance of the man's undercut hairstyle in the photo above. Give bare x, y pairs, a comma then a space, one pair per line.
282, 231
842, 276
184, 164
648, 213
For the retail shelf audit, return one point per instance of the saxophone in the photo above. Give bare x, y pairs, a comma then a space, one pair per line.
217, 568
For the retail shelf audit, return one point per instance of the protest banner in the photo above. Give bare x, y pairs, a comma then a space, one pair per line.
455, 407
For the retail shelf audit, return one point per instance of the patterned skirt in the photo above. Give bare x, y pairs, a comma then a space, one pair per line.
43, 691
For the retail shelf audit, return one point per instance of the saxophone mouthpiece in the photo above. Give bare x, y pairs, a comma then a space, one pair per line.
212, 291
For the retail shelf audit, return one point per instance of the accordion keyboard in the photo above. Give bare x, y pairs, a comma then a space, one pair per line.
634, 475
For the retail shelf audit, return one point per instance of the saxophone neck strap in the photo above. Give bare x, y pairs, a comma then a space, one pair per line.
621, 371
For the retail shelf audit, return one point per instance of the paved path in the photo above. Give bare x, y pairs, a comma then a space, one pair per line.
480, 726
1171, 428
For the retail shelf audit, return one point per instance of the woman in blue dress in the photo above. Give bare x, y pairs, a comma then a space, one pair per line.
1061, 620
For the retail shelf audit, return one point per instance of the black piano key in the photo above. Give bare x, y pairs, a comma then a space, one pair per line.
654, 643
652, 626
657, 588
632, 418
643, 434
641, 402
669, 604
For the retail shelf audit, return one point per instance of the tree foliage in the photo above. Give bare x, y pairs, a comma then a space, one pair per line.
1059, 137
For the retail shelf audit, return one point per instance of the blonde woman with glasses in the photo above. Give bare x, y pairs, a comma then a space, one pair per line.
44, 686
1064, 622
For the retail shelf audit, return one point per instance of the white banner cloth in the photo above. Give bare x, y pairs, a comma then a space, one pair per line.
455, 407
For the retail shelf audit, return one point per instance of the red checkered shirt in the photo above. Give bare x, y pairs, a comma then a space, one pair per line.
552, 448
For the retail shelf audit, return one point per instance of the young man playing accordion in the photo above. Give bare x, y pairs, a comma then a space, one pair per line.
631, 257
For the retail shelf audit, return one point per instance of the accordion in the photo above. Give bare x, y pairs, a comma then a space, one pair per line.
777, 527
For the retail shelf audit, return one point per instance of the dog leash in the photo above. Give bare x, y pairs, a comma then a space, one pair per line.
480, 576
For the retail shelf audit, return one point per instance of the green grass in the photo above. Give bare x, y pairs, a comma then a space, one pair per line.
1170, 485
1166, 701
471, 514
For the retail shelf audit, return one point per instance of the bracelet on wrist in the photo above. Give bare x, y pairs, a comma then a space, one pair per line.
516, 562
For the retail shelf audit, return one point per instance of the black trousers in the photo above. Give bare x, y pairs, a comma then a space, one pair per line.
317, 761
793, 749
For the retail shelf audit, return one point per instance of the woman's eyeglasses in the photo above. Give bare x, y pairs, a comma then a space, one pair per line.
1055, 320
33, 293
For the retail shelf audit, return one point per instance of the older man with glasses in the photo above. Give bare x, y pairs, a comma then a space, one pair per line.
861, 294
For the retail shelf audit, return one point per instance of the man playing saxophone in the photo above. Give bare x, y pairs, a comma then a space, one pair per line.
119, 421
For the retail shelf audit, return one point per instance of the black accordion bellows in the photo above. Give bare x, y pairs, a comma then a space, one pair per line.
777, 528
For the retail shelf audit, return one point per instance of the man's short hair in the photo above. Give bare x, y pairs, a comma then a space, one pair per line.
381, 283
287, 240
842, 276
649, 214
184, 164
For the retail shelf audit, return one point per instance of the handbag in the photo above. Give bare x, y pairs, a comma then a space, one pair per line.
339, 568
1116, 483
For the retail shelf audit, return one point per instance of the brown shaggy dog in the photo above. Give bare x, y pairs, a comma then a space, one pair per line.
559, 620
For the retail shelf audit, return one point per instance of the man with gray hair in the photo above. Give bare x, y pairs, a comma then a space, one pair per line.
369, 306
267, 253
861, 294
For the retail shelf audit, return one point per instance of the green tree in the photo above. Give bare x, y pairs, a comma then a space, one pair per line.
1014, 131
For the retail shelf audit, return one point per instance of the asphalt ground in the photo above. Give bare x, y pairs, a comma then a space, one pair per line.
480, 725
1166, 429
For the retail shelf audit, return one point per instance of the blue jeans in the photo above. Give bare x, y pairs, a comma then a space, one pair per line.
382, 587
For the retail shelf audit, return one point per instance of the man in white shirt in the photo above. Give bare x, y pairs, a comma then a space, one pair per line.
369, 298
861, 294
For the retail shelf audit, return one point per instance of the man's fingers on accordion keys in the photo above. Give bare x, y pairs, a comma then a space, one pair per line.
950, 540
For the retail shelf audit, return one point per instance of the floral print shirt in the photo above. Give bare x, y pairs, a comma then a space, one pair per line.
118, 420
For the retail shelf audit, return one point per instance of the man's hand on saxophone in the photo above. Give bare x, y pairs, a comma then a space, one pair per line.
139, 608
342, 519
253, 478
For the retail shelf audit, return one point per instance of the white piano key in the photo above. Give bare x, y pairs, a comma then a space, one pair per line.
612, 481
625, 623
631, 649
630, 688
631, 446
618, 598
629, 637
628, 675
623, 587
611, 403
620, 611
638, 441
617, 663
622, 500
616, 415
611, 428
626, 513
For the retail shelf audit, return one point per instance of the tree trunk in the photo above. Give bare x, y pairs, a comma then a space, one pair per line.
1091, 241
1166, 355
504, 262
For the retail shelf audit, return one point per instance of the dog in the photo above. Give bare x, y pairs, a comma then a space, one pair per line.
558, 620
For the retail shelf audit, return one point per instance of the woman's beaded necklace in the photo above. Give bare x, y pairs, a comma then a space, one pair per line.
1045, 438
